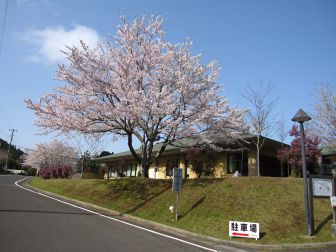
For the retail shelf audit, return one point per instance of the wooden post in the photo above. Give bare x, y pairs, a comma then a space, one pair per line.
333, 225
177, 206
311, 205
334, 194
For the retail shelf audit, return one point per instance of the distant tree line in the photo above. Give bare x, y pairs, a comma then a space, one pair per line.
15, 158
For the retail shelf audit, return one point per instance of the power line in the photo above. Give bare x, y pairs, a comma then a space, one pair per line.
2, 111
3, 26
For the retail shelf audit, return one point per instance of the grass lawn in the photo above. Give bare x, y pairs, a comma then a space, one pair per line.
207, 205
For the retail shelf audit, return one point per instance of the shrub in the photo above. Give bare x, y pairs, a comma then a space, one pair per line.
59, 172
66, 171
31, 172
202, 160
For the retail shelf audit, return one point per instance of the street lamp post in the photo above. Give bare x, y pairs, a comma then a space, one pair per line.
302, 117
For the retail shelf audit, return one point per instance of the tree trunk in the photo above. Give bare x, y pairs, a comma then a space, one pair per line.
281, 162
295, 172
144, 169
242, 163
82, 164
258, 155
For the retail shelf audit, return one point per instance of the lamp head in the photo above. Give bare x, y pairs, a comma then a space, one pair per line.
301, 117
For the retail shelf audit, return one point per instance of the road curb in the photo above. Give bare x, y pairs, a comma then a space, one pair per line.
218, 244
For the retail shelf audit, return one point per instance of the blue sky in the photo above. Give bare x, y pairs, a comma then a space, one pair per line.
291, 44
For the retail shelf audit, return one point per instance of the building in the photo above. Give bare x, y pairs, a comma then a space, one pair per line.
232, 158
328, 161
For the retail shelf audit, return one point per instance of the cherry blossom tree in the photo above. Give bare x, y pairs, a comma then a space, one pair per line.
325, 115
139, 86
52, 155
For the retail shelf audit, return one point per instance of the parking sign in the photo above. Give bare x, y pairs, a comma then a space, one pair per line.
244, 229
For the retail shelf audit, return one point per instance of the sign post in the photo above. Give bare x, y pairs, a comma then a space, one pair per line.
321, 186
333, 205
333, 200
177, 187
324, 186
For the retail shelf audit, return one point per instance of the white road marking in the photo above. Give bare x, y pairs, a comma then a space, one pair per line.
114, 219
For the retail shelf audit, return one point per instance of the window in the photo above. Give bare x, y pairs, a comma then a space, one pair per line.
187, 168
234, 161
237, 162
126, 171
170, 165
112, 173
131, 170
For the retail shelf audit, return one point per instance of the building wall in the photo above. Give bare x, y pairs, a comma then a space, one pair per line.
158, 169
252, 163
161, 171
221, 167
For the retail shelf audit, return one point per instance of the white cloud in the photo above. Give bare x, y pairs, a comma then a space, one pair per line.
48, 43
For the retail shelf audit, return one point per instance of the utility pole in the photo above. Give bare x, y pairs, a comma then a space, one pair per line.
10, 143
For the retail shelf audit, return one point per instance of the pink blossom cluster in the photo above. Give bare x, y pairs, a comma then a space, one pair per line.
60, 172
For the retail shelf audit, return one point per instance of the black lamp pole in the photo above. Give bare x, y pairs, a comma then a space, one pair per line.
302, 117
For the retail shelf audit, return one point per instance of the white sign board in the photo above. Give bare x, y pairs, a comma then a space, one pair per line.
333, 201
322, 187
177, 179
244, 229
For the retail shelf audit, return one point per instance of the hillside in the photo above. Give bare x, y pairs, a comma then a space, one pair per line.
15, 155
207, 205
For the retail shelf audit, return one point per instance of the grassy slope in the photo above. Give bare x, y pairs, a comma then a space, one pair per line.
207, 205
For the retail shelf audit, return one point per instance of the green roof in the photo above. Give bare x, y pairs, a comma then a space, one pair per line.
170, 148
127, 154
328, 151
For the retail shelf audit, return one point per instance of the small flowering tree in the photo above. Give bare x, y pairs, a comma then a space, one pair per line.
138, 85
203, 160
292, 154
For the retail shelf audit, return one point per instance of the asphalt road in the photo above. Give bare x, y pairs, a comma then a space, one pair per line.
30, 222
